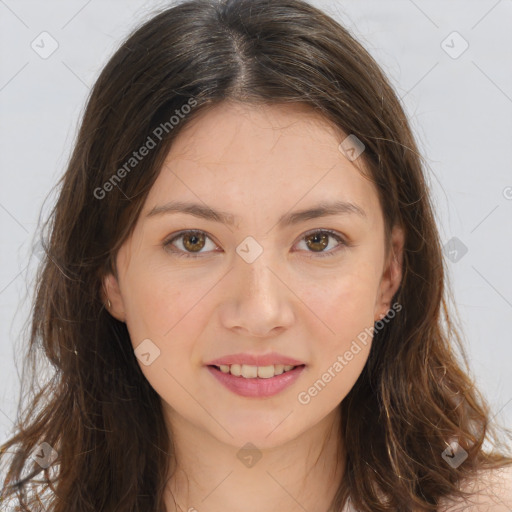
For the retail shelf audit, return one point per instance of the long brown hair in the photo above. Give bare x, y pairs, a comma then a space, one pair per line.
97, 410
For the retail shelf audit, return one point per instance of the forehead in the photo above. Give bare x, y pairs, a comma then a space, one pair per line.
261, 158
236, 132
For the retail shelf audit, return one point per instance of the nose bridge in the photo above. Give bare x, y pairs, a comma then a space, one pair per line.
260, 301
256, 278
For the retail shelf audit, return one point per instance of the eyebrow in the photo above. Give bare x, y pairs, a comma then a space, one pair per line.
321, 209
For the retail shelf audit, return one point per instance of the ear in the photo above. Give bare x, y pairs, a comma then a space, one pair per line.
111, 291
392, 274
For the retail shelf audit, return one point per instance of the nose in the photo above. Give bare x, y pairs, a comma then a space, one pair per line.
258, 301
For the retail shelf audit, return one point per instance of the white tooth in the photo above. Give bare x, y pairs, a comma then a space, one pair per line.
236, 370
249, 372
279, 368
265, 372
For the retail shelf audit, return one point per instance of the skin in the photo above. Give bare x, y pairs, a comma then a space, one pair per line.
257, 163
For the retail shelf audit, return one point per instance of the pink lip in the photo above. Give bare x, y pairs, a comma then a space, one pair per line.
255, 360
257, 388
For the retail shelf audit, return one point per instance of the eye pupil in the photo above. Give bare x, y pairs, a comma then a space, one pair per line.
319, 244
194, 238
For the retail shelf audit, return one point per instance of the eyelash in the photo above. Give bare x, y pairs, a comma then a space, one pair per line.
182, 254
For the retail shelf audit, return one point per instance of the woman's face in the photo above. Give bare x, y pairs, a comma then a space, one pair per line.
256, 278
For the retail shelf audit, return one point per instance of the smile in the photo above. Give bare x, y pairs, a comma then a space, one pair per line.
256, 381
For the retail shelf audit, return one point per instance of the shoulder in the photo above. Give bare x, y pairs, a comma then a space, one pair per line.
491, 491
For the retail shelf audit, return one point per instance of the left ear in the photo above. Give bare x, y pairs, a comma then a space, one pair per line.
392, 274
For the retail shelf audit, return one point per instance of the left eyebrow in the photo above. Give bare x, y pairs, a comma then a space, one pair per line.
322, 209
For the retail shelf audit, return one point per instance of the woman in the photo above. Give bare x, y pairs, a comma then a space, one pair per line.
243, 295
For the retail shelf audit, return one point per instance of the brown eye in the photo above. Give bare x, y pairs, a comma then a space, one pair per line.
189, 244
194, 241
317, 241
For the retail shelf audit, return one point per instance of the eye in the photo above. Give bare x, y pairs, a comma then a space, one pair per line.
192, 241
318, 240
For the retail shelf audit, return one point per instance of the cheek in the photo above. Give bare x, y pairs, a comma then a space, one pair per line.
346, 308
165, 309
344, 302
170, 309
157, 300
142, 297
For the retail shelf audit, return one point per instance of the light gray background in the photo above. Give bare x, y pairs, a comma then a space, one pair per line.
460, 108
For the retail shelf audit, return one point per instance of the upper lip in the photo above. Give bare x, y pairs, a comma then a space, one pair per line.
255, 360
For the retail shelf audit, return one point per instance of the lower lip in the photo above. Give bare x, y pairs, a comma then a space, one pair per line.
257, 388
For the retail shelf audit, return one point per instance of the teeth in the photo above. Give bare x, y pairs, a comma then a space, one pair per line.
251, 372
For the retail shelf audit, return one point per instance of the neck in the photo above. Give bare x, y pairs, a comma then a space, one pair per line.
302, 474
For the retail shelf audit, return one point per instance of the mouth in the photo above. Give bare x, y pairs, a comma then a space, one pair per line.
256, 381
